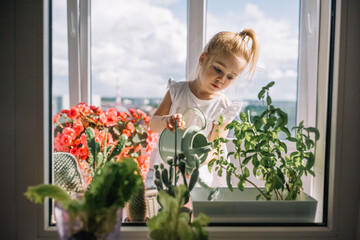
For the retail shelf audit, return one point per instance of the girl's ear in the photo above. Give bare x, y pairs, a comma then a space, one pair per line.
202, 58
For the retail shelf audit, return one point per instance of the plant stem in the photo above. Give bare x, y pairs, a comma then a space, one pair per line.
238, 176
256, 188
280, 194
277, 194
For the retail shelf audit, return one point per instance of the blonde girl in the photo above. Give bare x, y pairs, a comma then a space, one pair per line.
223, 60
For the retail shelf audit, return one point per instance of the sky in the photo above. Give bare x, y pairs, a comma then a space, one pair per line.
137, 46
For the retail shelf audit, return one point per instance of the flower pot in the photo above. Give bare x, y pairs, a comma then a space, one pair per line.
242, 207
74, 230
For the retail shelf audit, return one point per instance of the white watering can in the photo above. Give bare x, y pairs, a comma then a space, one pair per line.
189, 142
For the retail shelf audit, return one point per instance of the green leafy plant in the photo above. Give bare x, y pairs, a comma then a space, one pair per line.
257, 142
97, 208
173, 224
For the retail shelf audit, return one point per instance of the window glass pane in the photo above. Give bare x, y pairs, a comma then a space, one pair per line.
276, 24
136, 46
60, 66
60, 71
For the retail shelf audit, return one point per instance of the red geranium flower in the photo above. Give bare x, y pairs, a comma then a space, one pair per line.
70, 134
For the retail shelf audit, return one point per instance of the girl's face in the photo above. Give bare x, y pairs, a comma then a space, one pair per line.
220, 73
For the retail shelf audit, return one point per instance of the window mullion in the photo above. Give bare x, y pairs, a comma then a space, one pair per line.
308, 62
73, 49
196, 34
84, 47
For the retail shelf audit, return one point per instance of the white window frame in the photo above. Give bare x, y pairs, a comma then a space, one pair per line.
331, 231
79, 24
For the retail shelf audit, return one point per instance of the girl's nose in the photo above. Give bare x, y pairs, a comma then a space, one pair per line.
221, 78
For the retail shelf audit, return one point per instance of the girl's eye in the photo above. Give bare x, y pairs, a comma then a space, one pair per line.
230, 78
218, 70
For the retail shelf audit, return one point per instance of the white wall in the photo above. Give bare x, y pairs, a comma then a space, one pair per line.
21, 134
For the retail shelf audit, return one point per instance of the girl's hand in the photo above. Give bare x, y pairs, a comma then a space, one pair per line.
170, 121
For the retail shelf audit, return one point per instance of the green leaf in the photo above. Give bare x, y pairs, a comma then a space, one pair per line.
99, 159
283, 145
139, 129
246, 172
221, 119
136, 139
269, 85
294, 154
241, 185
268, 100
310, 162
315, 131
116, 131
228, 180
247, 145
118, 147
247, 159
220, 172
38, 193
90, 139
210, 164
243, 116
258, 124
261, 94
311, 172
269, 186
255, 160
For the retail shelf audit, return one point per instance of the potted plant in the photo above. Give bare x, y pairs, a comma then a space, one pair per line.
96, 214
91, 135
172, 223
257, 143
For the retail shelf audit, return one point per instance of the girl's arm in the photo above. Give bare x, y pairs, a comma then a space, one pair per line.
161, 118
212, 136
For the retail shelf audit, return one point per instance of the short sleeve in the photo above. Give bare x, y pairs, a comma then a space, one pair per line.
230, 112
171, 87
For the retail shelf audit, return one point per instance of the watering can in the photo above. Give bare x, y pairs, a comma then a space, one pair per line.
189, 142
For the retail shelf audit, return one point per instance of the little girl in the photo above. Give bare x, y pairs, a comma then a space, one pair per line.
223, 60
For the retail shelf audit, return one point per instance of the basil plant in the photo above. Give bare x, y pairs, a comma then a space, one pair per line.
257, 142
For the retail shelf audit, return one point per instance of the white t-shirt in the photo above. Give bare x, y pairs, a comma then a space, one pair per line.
182, 98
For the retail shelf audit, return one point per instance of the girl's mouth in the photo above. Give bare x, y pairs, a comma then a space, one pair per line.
214, 86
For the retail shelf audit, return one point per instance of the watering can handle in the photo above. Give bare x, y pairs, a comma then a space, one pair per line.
201, 115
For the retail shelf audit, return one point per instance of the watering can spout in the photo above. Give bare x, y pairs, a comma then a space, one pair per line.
213, 192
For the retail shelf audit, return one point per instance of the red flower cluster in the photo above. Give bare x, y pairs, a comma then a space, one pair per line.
70, 134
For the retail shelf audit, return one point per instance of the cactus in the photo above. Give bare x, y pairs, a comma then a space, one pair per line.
136, 209
164, 178
109, 152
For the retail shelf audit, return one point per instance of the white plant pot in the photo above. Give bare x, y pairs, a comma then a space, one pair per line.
242, 207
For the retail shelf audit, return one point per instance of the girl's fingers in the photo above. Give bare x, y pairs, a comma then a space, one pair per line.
170, 126
176, 118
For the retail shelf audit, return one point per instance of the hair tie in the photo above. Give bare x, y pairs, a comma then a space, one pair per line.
243, 34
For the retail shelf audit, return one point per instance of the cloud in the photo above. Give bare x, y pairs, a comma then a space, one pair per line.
278, 74
139, 45
278, 47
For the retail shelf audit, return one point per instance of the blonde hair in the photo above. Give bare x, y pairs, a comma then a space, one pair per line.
236, 44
